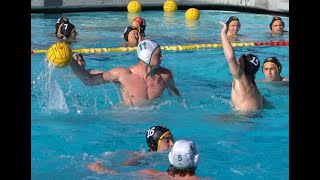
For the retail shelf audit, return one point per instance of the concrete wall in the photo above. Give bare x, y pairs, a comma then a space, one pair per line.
269, 5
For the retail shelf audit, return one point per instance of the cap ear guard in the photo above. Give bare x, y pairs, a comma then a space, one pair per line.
196, 159
153, 146
170, 157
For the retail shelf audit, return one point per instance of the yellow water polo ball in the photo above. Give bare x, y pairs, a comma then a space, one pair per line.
59, 54
170, 6
134, 6
192, 14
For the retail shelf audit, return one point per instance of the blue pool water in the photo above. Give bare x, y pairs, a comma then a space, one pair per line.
73, 124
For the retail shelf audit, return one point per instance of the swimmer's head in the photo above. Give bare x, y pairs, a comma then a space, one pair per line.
79, 59
232, 18
184, 155
141, 24
276, 19
145, 50
59, 20
274, 61
77, 54
65, 20
154, 136
58, 23
251, 63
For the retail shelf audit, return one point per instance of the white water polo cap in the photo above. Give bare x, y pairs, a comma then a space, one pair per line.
184, 154
145, 50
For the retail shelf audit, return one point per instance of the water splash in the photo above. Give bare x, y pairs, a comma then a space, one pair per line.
48, 92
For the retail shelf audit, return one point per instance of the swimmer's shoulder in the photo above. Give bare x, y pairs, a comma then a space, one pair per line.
164, 70
121, 70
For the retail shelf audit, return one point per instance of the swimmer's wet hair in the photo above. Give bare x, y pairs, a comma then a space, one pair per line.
172, 171
275, 19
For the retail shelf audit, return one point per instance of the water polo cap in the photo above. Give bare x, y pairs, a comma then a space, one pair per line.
59, 20
184, 154
141, 22
275, 19
232, 18
273, 60
145, 50
251, 63
154, 135
77, 54
66, 20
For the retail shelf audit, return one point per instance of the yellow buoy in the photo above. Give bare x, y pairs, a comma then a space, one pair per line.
192, 14
134, 6
170, 6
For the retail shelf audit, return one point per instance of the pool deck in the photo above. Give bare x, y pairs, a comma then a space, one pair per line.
280, 7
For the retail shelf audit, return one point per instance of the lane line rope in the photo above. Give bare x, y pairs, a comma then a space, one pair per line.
172, 48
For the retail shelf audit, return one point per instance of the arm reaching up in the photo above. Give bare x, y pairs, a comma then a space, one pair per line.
229, 52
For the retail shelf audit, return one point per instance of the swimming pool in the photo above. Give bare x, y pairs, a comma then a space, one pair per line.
73, 124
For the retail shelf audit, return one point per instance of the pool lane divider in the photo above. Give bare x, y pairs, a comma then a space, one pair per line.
172, 48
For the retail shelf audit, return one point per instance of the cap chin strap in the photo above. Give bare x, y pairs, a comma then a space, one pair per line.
152, 68
152, 71
161, 137
170, 157
196, 159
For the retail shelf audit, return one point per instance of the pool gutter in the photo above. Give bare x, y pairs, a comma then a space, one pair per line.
277, 7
